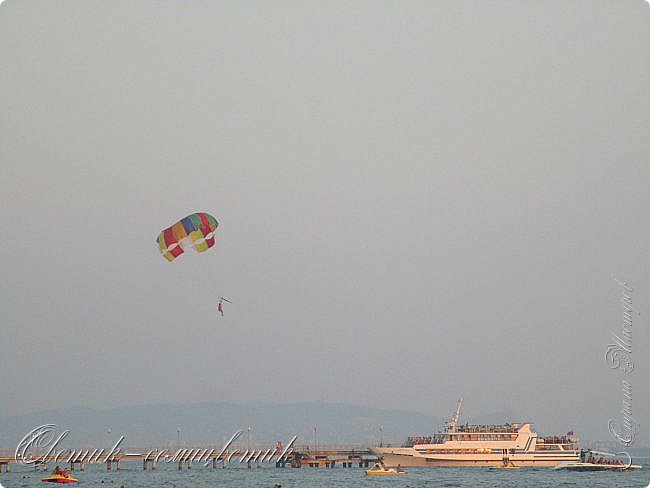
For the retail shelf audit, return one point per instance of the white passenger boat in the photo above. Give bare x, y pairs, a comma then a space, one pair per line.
509, 445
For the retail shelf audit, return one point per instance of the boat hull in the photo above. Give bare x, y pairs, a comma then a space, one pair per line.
371, 472
408, 457
597, 467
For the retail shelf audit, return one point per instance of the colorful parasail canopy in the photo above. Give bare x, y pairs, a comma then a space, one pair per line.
196, 230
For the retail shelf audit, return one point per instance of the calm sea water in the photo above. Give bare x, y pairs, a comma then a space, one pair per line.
238, 476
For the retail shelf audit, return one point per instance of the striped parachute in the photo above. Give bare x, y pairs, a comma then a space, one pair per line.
196, 230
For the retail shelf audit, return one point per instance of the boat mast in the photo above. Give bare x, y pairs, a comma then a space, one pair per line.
453, 423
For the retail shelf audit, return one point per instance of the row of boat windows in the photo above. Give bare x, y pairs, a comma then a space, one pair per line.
482, 450
440, 438
483, 437
479, 450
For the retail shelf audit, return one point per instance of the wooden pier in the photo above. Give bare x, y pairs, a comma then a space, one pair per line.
188, 457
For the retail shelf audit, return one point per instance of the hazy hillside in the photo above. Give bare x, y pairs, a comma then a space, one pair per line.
215, 423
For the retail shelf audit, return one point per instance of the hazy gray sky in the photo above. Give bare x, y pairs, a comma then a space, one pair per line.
417, 200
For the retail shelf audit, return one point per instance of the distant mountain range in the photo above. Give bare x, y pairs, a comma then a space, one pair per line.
214, 423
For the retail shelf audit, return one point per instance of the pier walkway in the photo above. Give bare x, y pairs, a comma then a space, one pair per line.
186, 457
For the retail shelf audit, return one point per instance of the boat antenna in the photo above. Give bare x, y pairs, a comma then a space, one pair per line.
453, 423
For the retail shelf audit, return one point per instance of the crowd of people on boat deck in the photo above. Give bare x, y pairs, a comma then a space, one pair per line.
601, 460
507, 427
554, 439
432, 439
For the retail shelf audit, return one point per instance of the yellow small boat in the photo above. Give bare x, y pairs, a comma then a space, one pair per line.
58, 478
379, 470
